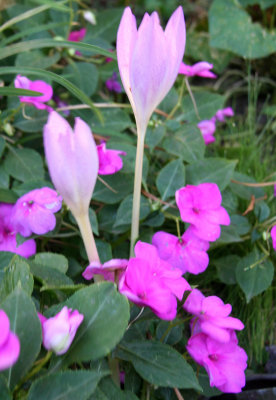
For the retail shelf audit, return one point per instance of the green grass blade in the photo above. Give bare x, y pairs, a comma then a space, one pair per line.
56, 78
11, 91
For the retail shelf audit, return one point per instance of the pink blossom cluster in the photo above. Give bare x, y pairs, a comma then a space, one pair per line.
9, 343
22, 82
208, 126
201, 69
32, 213
214, 344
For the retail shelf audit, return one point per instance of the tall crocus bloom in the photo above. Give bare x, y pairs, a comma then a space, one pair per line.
73, 163
9, 343
22, 82
201, 68
149, 60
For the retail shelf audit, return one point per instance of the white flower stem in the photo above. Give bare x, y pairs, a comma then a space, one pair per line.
137, 189
88, 240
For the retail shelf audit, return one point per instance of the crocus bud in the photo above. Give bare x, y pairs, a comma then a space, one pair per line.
59, 331
149, 60
73, 162
9, 343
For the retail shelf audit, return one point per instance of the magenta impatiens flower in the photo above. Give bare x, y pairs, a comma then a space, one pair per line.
188, 253
8, 234
77, 36
201, 206
149, 60
207, 128
201, 68
273, 237
59, 331
213, 315
22, 82
150, 281
225, 112
34, 212
224, 362
72, 159
9, 343
110, 270
110, 161
112, 84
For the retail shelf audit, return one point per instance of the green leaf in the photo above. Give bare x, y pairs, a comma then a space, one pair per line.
104, 250
229, 234
107, 390
254, 274
7, 196
2, 143
4, 179
263, 3
52, 260
186, 143
106, 315
50, 278
11, 91
107, 23
93, 221
25, 324
24, 164
215, 170
5, 258
36, 59
5, 393
226, 268
229, 22
85, 76
243, 191
115, 121
121, 183
124, 213
66, 385
154, 136
35, 121
17, 272
170, 179
159, 364
207, 104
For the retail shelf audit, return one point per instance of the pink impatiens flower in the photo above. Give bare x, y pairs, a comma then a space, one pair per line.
273, 237
225, 112
112, 84
213, 315
22, 82
110, 269
150, 281
207, 128
9, 343
34, 212
77, 36
8, 234
59, 331
201, 206
188, 253
224, 362
110, 161
201, 68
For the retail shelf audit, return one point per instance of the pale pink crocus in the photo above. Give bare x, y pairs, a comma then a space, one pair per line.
225, 112
8, 234
110, 161
187, 253
110, 270
59, 331
201, 68
34, 211
72, 159
207, 128
22, 82
273, 237
149, 60
213, 315
224, 362
201, 207
152, 282
9, 343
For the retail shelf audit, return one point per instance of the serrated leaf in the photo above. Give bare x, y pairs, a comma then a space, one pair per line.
170, 179
24, 164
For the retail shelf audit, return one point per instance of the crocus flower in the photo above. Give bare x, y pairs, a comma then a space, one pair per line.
22, 82
34, 212
225, 112
9, 343
224, 362
149, 60
188, 253
201, 206
273, 237
109, 270
201, 68
72, 159
59, 331
213, 315
77, 36
110, 161
150, 281
112, 84
8, 234
207, 128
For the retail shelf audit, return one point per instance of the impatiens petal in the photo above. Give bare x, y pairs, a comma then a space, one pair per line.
110, 161
9, 352
42, 87
5, 327
205, 230
273, 237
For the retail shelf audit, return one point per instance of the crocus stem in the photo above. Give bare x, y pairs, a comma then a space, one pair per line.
137, 191
114, 368
192, 97
88, 240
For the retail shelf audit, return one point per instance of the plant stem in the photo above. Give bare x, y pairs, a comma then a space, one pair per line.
192, 97
114, 368
137, 190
